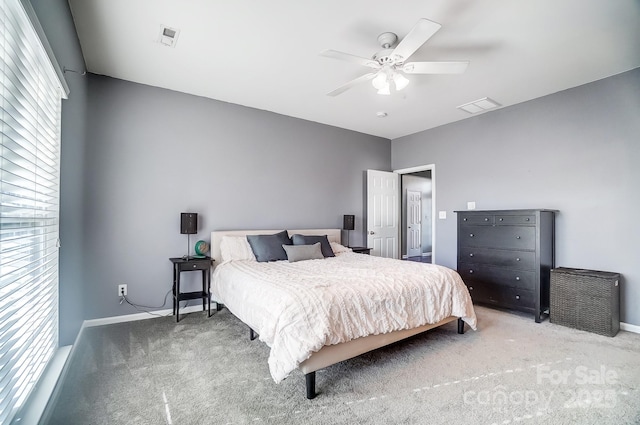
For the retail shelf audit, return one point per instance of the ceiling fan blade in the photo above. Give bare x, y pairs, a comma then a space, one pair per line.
350, 58
343, 88
457, 67
419, 34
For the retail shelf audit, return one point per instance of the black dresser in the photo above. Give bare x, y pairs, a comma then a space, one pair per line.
505, 257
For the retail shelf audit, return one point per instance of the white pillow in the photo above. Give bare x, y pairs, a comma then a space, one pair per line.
236, 248
337, 248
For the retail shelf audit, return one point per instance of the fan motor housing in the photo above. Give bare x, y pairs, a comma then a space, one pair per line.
387, 40
383, 56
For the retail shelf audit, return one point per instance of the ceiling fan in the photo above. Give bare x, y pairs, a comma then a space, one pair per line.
389, 63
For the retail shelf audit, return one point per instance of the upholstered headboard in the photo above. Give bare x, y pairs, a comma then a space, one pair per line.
334, 235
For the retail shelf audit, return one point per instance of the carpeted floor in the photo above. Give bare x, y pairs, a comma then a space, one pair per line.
205, 371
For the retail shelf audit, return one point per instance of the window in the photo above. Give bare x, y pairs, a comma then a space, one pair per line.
30, 103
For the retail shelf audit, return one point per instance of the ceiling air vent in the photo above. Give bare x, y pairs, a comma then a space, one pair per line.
168, 36
479, 105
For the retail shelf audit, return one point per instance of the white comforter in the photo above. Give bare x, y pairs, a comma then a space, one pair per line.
297, 308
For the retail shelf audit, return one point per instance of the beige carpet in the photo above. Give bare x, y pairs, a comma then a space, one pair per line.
205, 371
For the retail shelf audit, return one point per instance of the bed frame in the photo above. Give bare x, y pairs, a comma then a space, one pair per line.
330, 354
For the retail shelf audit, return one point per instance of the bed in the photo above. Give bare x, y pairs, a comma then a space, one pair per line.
313, 314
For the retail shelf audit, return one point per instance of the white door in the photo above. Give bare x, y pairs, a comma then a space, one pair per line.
383, 190
414, 223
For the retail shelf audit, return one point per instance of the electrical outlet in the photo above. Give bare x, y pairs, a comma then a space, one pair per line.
122, 290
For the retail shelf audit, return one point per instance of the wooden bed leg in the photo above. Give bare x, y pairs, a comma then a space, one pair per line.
460, 326
311, 385
252, 334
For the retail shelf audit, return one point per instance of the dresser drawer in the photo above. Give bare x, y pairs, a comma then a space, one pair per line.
515, 219
195, 265
477, 220
521, 260
503, 297
505, 237
498, 276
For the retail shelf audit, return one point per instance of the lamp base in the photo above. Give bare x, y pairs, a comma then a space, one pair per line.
186, 256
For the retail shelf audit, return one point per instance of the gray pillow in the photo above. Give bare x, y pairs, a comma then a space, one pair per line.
269, 247
303, 252
309, 240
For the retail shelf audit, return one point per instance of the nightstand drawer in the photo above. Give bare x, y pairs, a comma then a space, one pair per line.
361, 249
194, 265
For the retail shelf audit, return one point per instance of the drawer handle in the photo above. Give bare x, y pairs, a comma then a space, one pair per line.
501, 219
464, 219
486, 219
471, 255
195, 265
470, 271
517, 277
471, 288
527, 219
517, 297
517, 237
470, 235
517, 259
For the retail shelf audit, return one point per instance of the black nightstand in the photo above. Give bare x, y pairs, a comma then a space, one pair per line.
187, 265
360, 249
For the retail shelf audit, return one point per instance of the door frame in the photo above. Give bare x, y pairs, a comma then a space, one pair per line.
432, 168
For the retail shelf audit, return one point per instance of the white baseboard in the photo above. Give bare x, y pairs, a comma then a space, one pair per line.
630, 328
139, 316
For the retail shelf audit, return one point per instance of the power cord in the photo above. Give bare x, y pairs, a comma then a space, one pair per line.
141, 307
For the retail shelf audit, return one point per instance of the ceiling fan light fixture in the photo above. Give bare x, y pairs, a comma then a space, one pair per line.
400, 80
380, 81
385, 90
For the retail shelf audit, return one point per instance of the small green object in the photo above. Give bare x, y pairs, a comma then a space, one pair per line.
201, 248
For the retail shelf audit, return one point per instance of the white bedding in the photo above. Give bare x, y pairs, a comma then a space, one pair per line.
297, 308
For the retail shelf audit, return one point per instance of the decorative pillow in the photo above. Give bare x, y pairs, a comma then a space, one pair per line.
303, 252
308, 240
269, 247
235, 248
339, 249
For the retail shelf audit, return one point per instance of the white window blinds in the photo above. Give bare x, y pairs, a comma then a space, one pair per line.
30, 102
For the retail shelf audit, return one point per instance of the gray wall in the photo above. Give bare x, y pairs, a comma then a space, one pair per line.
577, 151
153, 153
56, 20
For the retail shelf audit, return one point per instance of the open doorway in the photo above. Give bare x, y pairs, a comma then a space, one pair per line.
417, 245
417, 199
394, 244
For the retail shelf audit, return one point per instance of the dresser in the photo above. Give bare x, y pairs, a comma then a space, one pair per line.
505, 257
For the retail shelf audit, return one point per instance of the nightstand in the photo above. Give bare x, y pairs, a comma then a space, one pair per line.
188, 265
360, 249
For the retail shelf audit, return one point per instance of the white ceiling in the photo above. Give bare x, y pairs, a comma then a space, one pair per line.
265, 54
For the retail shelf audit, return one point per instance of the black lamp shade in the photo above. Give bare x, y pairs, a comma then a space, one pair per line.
188, 223
349, 222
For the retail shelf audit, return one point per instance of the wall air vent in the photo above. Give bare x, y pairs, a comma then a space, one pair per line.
479, 105
168, 36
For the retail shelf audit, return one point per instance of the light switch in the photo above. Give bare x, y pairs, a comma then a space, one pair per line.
442, 215
471, 205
